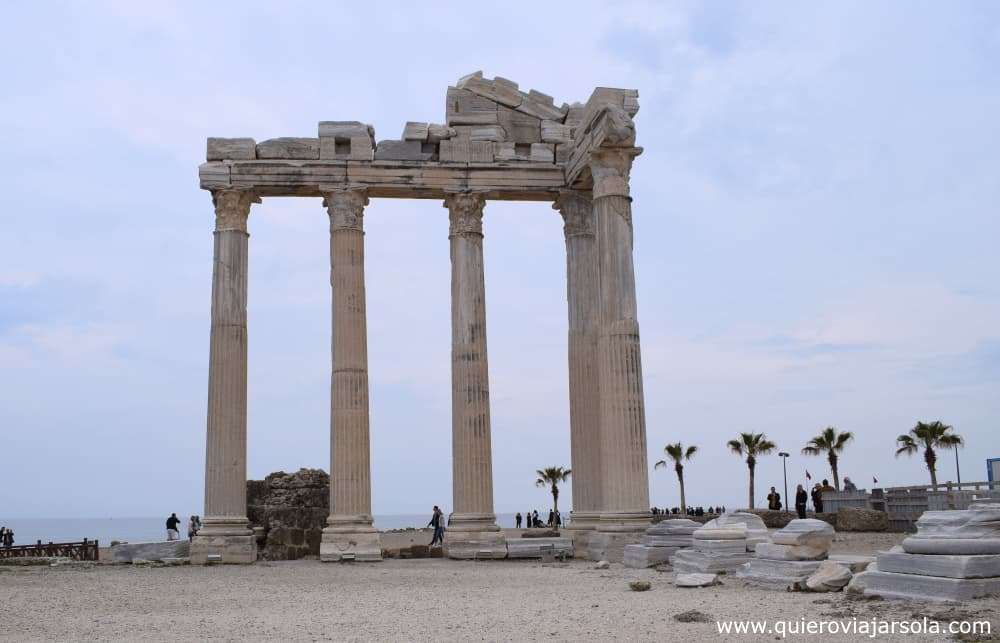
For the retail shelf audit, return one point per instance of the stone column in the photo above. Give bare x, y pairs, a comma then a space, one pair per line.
473, 532
624, 473
226, 531
582, 290
349, 534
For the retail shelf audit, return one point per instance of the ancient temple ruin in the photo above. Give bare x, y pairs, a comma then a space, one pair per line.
497, 142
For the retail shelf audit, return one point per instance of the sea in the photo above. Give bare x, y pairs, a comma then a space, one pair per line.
62, 530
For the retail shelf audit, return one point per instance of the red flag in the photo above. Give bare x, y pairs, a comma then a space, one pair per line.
808, 477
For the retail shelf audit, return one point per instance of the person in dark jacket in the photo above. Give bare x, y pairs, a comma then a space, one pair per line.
437, 522
517, 520
800, 501
173, 522
817, 498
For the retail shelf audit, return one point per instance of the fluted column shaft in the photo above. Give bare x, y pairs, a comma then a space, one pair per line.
624, 473
472, 463
582, 291
226, 444
350, 475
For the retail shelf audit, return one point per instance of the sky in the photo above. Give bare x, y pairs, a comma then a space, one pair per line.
815, 219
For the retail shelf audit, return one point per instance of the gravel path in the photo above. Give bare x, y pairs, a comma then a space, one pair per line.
400, 600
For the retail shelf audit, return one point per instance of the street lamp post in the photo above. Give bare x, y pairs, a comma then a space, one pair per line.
958, 473
784, 468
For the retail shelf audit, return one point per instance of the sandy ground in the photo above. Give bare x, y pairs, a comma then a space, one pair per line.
415, 600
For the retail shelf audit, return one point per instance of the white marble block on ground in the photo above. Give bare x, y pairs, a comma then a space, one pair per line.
693, 561
475, 545
127, 552
777, 574
642, 556
754, 525
696, 580
971, 532
721, 546
829, 577
927, 588
853, 562
772, 551
946, 566
539, 547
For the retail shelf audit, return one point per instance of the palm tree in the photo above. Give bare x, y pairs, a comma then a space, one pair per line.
832, 442
678, 454
929, 435
751, 445
552, 476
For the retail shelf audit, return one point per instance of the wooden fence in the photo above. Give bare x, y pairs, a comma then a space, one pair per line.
84, 550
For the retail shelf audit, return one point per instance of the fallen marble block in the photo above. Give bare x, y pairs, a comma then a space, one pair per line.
754, 525
853, 562
777, 574
926, 588
805, 532
692, 561
155, 551
720, 546
711, 533
980, 521
946, 566
655, 540
643, 556
952, 546
675, 526
828, 577
696, 580
772, 551
539, 547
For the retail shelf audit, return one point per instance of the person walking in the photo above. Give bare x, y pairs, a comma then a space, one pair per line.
517, 520
437, 522
800, 501
191, 528
172, 523
535, 522
558, 519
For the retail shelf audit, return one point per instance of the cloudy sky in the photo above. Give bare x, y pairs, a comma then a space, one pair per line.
815, 214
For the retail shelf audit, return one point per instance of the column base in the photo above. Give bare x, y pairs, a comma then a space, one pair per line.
350, 538
230, 538
614, 531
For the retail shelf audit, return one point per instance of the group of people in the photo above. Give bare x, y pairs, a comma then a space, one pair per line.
530, 519
802, 496
173, 524
6, 537
688, 511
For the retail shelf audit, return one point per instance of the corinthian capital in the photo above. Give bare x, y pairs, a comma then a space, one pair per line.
610, 167
577, 212
232, 207
465, 212
346, 208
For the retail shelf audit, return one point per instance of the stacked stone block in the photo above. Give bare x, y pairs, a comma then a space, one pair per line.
954, 556
714, 550
291, 509
756, 529
662, 540
796, 552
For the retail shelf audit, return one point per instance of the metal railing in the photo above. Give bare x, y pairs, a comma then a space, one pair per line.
84, 550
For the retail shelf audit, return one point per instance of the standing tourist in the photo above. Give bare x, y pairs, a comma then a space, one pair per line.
848, 485
558, 519
192, 530
817, 498
437, 522
8, 538
772, 500
535, 522
172, 523
517, 520
800, 501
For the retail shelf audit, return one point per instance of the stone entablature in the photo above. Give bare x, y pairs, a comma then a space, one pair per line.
510, 144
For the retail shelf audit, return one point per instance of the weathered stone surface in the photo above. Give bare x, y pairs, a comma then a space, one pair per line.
437, 133
289, 148
541, 110
952, 546
696, 580
481, 151
639, 585
361, 148
518, 127
344, 129
777, 574
543, 153
467, 545
643, 556
853, 562
602, 564
220, 149
982, 566
127, 552
291, 511
756, 531
466, 108
415, 131
486, 133
498, 90
773, 551
610, 545
729, 545
400, 151
807, 532
505, 151
924, 588
455, 150
350, 547
554, 132
857, 519
232, 550
693, 561
736, 532
829, 577
537, 547
675, 526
